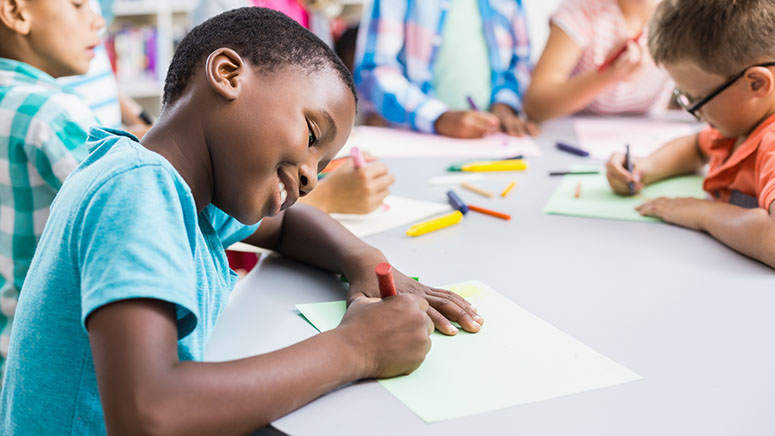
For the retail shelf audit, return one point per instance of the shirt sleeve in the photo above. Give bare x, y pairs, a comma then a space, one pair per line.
56, 140
379, 71
511, 83
765, 170
229, 230
135, 239
573, 17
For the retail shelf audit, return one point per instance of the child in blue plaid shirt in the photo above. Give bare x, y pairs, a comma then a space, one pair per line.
419, 63
43, 127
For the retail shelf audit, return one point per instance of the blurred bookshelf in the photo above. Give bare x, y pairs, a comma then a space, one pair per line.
140, 43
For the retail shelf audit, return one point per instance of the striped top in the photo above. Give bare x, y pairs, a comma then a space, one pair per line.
597, 26
43, 132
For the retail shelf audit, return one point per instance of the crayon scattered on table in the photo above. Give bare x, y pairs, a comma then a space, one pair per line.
478, 190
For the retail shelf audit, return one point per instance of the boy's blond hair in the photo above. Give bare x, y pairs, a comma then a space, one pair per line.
719, 36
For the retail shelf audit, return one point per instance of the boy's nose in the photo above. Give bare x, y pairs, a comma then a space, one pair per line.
308, 179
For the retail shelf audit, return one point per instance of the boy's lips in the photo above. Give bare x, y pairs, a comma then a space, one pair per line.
291, 188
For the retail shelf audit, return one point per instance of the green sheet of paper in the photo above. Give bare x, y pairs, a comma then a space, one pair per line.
597, 200
516, 358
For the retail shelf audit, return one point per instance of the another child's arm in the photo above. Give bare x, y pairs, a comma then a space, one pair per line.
552, 93
146, 389
749, 231
347, 190
308, 235
680, 156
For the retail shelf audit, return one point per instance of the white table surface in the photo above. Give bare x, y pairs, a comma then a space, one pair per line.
691, 316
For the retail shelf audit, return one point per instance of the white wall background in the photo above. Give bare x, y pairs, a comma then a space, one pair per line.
538, 12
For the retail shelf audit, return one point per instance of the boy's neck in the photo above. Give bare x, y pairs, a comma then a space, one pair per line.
178, 135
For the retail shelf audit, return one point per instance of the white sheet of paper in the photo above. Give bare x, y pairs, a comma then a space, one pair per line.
387, 142
396, 211
602, 137
516, 358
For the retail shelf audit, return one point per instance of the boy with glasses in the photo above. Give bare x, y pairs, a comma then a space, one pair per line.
721, 56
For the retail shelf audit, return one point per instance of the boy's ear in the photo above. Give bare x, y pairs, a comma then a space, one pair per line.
15, 16
760, 80
224, 69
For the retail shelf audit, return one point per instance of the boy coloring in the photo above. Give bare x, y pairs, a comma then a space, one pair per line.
132, 275
720, 55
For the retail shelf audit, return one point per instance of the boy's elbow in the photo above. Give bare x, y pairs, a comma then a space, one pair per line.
140, 414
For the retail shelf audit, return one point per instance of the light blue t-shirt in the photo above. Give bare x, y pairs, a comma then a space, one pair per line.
124, 225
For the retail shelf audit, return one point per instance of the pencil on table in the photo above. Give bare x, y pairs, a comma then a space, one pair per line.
578, 191
479, 191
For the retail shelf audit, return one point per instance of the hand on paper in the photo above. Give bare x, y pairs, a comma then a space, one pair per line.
619, 177
467, 124
512, 124
372, 325
684, 212
627, 64
445, 306
346, 190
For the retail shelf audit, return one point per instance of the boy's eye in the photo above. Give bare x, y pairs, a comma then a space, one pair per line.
312, 138
78, 4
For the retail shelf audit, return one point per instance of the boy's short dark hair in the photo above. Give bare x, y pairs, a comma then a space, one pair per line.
268, 39
720, 36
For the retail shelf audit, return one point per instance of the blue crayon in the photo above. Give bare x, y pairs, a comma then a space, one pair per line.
571, 149
456, 202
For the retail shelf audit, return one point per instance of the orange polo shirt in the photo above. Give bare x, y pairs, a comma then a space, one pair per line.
746, 173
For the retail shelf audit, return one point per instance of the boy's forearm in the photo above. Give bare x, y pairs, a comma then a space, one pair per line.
679, 156
749, 231
146, 390
308, 235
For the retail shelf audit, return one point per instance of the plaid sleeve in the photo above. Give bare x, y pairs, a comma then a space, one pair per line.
56, 139
513, 43
380, 73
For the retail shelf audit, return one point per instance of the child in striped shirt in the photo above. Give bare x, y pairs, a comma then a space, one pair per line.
572, 75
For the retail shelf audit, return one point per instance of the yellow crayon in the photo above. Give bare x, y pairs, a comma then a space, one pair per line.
508, 188
501, 165
435, 224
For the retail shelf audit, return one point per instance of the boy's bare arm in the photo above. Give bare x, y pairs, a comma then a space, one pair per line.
145, 389
679, 156
749, 231
308, 235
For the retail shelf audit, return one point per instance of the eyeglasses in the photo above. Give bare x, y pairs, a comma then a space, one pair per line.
689, 105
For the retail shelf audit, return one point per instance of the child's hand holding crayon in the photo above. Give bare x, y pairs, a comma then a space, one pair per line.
623, 61
350, 190
390, 337
467, 124
445, 306
619, 178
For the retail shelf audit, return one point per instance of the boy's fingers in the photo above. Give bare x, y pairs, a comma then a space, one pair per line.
441, 323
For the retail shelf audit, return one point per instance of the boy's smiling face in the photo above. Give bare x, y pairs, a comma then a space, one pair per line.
737, 110
273, 135
59, 35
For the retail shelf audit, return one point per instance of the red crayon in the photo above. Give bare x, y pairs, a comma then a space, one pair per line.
387, 287
611, 59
